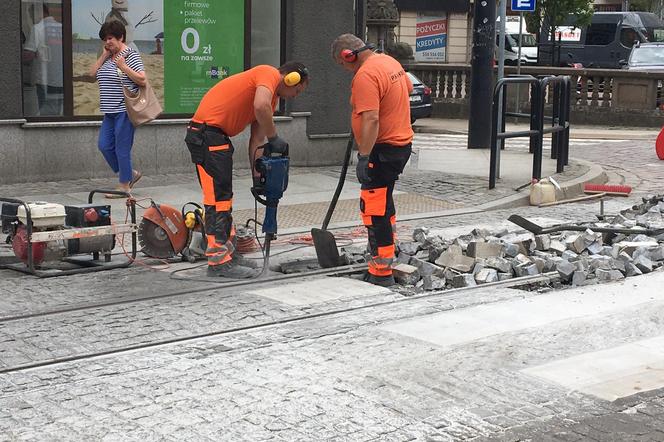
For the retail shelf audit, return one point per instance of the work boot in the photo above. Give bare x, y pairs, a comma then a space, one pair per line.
231, 270
383, 281
244, 262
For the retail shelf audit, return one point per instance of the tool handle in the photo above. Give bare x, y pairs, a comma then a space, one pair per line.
340, 184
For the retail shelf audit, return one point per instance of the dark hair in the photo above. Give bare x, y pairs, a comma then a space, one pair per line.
294, 66
113, 28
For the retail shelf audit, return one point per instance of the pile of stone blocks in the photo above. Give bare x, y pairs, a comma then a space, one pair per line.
430, 262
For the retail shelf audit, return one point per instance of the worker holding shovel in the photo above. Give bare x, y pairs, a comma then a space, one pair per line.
380, 99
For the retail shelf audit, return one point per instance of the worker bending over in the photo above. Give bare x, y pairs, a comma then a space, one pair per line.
249, 97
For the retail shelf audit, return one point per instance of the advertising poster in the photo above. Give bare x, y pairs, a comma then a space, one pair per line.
204, 44
430, 38
143, 20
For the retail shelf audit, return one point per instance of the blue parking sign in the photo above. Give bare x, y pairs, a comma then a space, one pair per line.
523, 5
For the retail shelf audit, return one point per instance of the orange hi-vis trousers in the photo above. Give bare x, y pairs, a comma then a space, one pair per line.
215, 175
377, 205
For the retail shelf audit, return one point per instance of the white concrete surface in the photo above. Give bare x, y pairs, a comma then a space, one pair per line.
458, 327
319, 290
610, 374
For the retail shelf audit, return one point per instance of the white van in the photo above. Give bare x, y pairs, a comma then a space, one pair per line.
528, 43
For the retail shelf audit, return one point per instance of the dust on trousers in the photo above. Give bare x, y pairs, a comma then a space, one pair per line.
212, 152
386, 163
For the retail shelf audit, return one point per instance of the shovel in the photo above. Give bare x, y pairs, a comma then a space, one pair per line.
324, 242
539, 230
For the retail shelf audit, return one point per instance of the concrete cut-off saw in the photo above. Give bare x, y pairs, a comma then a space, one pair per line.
165, 232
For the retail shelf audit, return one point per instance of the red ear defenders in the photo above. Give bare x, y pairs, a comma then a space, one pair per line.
350, 55
294, 78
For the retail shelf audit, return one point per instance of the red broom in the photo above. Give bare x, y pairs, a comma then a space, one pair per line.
609, 189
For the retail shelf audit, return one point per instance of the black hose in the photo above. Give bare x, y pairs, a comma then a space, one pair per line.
340, 184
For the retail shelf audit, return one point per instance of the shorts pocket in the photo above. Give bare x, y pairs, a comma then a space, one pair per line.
373, 202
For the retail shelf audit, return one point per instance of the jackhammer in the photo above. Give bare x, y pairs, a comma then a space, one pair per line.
273, 171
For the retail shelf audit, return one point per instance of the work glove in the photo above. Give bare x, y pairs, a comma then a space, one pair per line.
362, 169
278, 145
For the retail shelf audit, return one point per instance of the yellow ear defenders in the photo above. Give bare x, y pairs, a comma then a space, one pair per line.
296, 77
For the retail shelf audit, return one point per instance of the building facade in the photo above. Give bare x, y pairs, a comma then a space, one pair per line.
49, 106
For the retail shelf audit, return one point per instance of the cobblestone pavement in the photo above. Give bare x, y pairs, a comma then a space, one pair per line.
336, 377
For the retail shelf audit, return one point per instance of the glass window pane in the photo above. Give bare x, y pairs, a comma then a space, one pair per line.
266, 32
41, 34
144, 25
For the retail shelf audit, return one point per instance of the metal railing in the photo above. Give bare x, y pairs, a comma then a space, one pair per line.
558, 89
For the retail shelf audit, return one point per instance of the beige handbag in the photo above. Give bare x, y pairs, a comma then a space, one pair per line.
143, 106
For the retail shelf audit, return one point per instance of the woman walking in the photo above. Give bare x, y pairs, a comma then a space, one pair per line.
118, 66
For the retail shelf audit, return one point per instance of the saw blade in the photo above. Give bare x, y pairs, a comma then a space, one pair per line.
154, 241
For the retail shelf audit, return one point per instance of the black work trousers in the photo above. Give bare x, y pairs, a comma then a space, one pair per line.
377, 204
212, 152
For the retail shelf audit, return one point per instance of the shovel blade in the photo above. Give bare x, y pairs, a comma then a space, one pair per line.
326, 248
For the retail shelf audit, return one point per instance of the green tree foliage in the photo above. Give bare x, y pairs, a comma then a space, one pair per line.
555, 13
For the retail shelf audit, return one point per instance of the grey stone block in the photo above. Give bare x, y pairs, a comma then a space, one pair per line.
486, 275
575, 243
402, 258
569, 255
542, 242
656, 253
600, 262
526, 270
579, 277
406, 274
557, 246
409, 247
609, 275
481, 249
426, 268
596, 247
505, 276
643, 263
632, 270
464, 280
420, 234
566, 269
510, 249
453, 258
501, 264
463, 241
431, 282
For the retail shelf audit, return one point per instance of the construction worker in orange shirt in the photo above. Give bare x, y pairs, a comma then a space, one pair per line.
249, 97
380, 122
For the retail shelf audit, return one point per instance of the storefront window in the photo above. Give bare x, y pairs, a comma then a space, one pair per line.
144, 23
41, 34
266, 32
186, 46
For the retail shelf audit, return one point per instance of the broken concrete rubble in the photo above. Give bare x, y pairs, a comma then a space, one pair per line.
580, 258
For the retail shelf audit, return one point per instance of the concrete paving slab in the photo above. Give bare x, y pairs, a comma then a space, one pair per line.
457, 327
319, 290
609, 374
475, 162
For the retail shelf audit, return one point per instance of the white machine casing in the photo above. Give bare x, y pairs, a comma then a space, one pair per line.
43, 214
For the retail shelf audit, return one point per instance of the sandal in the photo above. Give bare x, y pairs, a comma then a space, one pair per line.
135, 177
115, 196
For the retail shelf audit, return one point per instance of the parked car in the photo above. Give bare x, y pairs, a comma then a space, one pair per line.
420, 99
645, 57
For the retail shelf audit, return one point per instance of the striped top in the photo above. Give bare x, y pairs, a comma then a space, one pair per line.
111, 97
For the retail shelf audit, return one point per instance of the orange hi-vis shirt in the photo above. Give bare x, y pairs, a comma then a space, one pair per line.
229, 104
381, 84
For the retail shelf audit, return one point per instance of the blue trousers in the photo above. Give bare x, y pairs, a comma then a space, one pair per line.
116, 138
